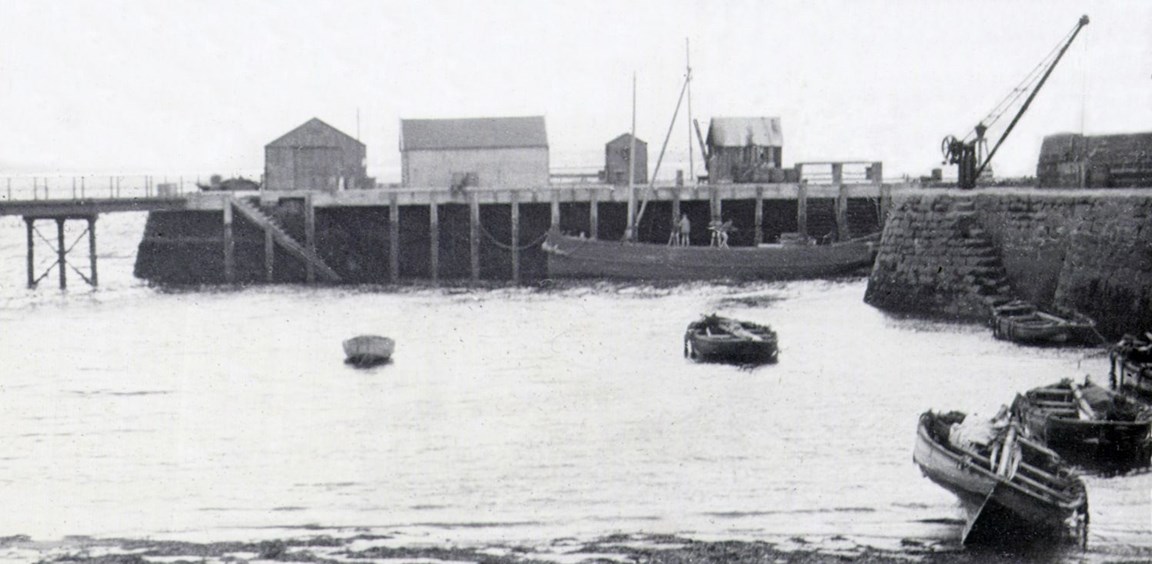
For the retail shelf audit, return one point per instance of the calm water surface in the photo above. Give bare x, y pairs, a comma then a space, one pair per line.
512, 414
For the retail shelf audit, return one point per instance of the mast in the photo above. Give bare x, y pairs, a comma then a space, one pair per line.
688, 75
630, 230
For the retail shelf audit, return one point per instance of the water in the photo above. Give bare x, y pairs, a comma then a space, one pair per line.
507, 415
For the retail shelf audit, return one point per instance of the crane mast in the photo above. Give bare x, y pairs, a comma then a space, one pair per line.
971, 153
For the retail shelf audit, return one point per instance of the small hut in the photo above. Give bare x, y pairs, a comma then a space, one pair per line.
745, 149
617, 157
315, 156
1069, 160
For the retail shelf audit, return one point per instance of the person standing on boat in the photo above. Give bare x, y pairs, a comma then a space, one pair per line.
685, 230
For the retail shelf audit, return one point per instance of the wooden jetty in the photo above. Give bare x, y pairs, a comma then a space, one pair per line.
568, 207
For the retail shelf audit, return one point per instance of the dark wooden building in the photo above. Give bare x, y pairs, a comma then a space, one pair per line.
1070, 160
745, 150
616, 159
506, 152
315, 156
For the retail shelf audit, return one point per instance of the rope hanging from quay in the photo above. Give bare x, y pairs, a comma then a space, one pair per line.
508, 247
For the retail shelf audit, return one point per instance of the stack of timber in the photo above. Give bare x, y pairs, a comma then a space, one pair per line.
1011, 488
1087, 424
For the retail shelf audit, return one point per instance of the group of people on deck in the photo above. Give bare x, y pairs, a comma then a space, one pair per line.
682, 231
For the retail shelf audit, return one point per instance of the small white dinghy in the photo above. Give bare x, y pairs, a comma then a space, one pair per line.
368, 350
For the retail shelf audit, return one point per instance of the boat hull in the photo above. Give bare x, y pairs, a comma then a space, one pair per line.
368, 350
997, 510
753, 344
1109, 442
573, 257
1041, 329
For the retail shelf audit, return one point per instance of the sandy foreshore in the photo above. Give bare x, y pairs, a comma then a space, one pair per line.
376, 548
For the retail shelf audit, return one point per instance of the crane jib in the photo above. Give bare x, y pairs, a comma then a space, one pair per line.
965, 153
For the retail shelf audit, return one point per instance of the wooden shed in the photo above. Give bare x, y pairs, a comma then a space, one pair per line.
616, 159
1070, 160
744, 149
500, 152
315, 156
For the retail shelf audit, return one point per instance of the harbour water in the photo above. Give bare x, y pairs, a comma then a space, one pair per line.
508, 415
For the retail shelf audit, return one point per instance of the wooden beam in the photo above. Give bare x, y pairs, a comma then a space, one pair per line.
758, 237
61, 250
269, 255
474, 235
516, 237
675, 211
229, 245
31, 252
842, 229
310, 236
434, 239
593, 214
394, 237
802, 209
555, 225
91, 244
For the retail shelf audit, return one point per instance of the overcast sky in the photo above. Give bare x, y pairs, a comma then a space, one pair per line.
202, 86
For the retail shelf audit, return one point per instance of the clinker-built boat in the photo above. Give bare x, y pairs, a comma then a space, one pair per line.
1012, 488
1087, 424
720, 339
1024, 323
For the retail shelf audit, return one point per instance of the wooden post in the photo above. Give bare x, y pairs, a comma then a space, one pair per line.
393, 238
802, 209
714, 202
593, 213
675, 212
842, 232
516, 237
885, 203
555, 224
229, 244
28, 221
92, 249
73, 187
82, 188
474, 235
758, 237
310, 236
269, 256
434, 238
61, 251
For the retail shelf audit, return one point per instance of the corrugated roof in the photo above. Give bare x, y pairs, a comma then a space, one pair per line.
312, 133
472, 133
742, 132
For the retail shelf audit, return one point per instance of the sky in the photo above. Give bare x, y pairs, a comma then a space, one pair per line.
97, 86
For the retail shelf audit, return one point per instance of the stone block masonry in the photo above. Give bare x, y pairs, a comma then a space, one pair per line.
955, 254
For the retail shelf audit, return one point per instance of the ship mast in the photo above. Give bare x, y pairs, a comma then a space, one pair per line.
630, 230
688, 75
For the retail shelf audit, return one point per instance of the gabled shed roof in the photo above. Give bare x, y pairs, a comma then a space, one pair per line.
626, 138
472, 133
743, 132
313, 133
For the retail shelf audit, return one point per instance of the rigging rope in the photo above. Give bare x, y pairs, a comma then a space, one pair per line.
508, 247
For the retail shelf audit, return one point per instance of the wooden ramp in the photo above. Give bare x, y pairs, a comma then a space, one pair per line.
286, 242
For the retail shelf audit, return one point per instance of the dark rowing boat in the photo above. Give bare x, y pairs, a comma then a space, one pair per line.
1024, 323
368, 350
720, 339
1011, 487
577, 257
1087, 424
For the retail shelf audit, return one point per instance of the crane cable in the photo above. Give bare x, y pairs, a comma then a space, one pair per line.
1023, 87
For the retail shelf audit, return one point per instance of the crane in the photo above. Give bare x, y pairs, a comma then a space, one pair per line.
971, 152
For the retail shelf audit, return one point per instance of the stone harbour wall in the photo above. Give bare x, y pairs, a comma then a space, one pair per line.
956, 254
